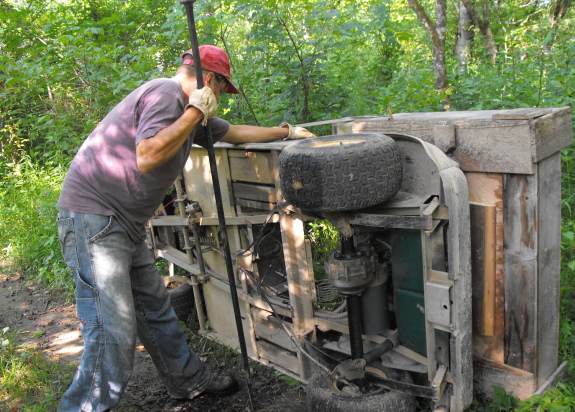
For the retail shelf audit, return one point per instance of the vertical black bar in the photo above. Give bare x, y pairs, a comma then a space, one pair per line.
354, 324
188, 4
347, 247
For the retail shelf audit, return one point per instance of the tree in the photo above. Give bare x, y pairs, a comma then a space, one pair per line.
484, 27
464, 38
436, 31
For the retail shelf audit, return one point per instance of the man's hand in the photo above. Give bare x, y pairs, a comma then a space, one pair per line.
296, 132
205, 101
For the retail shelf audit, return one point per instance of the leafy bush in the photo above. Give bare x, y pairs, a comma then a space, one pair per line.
28, 233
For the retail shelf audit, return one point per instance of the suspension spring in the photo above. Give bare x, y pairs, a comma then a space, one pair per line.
205, 241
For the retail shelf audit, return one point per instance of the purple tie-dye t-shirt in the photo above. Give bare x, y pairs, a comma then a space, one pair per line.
104, 178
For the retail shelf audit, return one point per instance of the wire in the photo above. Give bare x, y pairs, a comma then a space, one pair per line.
280, 319
260, 236
163, 207
334, 314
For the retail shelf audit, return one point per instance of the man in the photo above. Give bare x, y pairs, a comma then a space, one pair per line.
115, 182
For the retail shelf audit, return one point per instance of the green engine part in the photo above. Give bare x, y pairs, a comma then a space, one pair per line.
407, 275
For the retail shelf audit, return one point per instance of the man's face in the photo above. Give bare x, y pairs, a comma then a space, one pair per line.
216, 87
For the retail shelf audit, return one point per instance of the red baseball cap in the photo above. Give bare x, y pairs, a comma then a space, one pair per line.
213, 59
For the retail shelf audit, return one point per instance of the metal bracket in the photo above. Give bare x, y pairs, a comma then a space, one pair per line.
349, 370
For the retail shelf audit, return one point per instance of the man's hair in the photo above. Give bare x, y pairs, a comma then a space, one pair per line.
191, 71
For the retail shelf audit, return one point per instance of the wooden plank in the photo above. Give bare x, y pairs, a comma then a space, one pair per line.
202, 189
219, 310
523, 113
482, 143
269, 328
551, 133
487, 374
487, 188
391, 221
502, 146
549, 266
252, 204
520, 234
483, 268
456, 195
299, 275
444, 137
301, 282
249, 166
254, 192
281, 357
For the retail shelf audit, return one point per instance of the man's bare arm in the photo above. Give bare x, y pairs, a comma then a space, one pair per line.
253, 134
157, 150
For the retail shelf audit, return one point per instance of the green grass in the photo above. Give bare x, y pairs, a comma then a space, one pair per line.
28, 381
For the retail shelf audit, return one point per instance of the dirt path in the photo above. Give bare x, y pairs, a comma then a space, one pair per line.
52, 327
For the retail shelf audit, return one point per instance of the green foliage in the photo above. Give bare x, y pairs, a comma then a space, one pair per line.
79, 60
324, 237
502, 401
27, 378
560, 399
28, 235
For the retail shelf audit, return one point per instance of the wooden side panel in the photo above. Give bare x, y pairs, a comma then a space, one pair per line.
487, 189
269, 328
549, 256
551, 133
520, 234
521, 113
281, 357
198, 181
481, 145
256, 193
250, 166
220, 312
502, 146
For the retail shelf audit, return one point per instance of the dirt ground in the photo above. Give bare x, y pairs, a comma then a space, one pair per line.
52, 327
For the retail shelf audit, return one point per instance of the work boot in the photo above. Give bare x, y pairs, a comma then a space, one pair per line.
221, 385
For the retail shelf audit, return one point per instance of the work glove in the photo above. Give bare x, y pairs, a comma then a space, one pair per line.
205, 101
296, 132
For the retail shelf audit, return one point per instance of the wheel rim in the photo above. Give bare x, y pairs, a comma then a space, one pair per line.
338, 142
369, 388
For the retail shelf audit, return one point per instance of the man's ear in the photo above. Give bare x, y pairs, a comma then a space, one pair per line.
208, 77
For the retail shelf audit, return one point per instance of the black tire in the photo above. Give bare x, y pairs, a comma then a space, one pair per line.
340, 172
182, 300
323, 396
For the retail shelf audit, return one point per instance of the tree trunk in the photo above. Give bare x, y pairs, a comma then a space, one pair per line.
484, 28
558, 12
464, 38
436, 31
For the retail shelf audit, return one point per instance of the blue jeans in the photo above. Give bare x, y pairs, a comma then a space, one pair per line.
119, 295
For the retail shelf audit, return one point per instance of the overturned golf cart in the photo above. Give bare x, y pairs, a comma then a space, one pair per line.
445, 277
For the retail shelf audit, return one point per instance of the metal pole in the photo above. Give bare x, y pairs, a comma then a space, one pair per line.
188, 248
354, 324
189, 5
